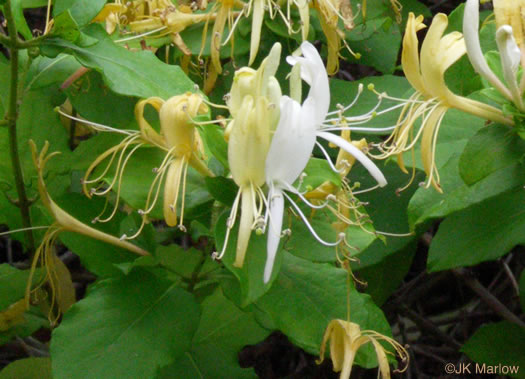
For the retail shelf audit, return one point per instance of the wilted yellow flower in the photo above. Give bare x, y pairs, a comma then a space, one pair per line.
63, 221
346, 338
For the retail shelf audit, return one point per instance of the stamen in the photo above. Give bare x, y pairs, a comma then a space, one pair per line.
96, 126
309, 226
141, 35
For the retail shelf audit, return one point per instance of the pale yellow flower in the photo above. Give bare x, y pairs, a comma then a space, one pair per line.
425, 71
346, 338
254, 105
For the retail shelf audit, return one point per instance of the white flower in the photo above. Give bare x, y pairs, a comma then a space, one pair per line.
292, 145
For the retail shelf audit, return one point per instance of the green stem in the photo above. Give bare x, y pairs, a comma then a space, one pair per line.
11, 118
5, 40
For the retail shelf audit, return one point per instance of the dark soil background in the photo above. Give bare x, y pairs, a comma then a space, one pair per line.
434, 314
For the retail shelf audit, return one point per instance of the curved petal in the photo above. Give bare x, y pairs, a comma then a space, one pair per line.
358, 154
475, 55
436, 53
410, 54
276, 205
314, 73
510, 59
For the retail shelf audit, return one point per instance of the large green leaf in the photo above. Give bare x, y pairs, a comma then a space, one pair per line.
223, 331
124, 328
493, 148
498, 346
482, 232
28, 368
139, 74
95, 102
82, 11
319, 293
428, 204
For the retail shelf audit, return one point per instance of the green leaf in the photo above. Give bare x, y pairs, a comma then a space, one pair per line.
483, 232
250, 276
319, 293
387, 209
222, 189
93, 101
139, 74
124, 328
213, 137
383, 278
64, 26
13, 283
45, 72
497, 346
28, 368
380, 50
223, 331
493, 148
428, 204
82, 11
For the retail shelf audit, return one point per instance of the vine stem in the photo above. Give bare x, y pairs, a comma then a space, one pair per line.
11, 118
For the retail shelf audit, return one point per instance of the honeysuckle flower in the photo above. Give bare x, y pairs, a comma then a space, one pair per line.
314, 73
293, 142
509, 18
63, 221
253, 104
182, 142
178, 137
346, 338
426, 73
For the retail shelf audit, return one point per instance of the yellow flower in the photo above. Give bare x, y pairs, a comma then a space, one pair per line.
178, 137
512, 13
426, 73
254, 105
346, 338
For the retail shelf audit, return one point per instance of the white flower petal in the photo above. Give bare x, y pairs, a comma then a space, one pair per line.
276, 205
510, 60
471, 35
314, 73
358, 154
